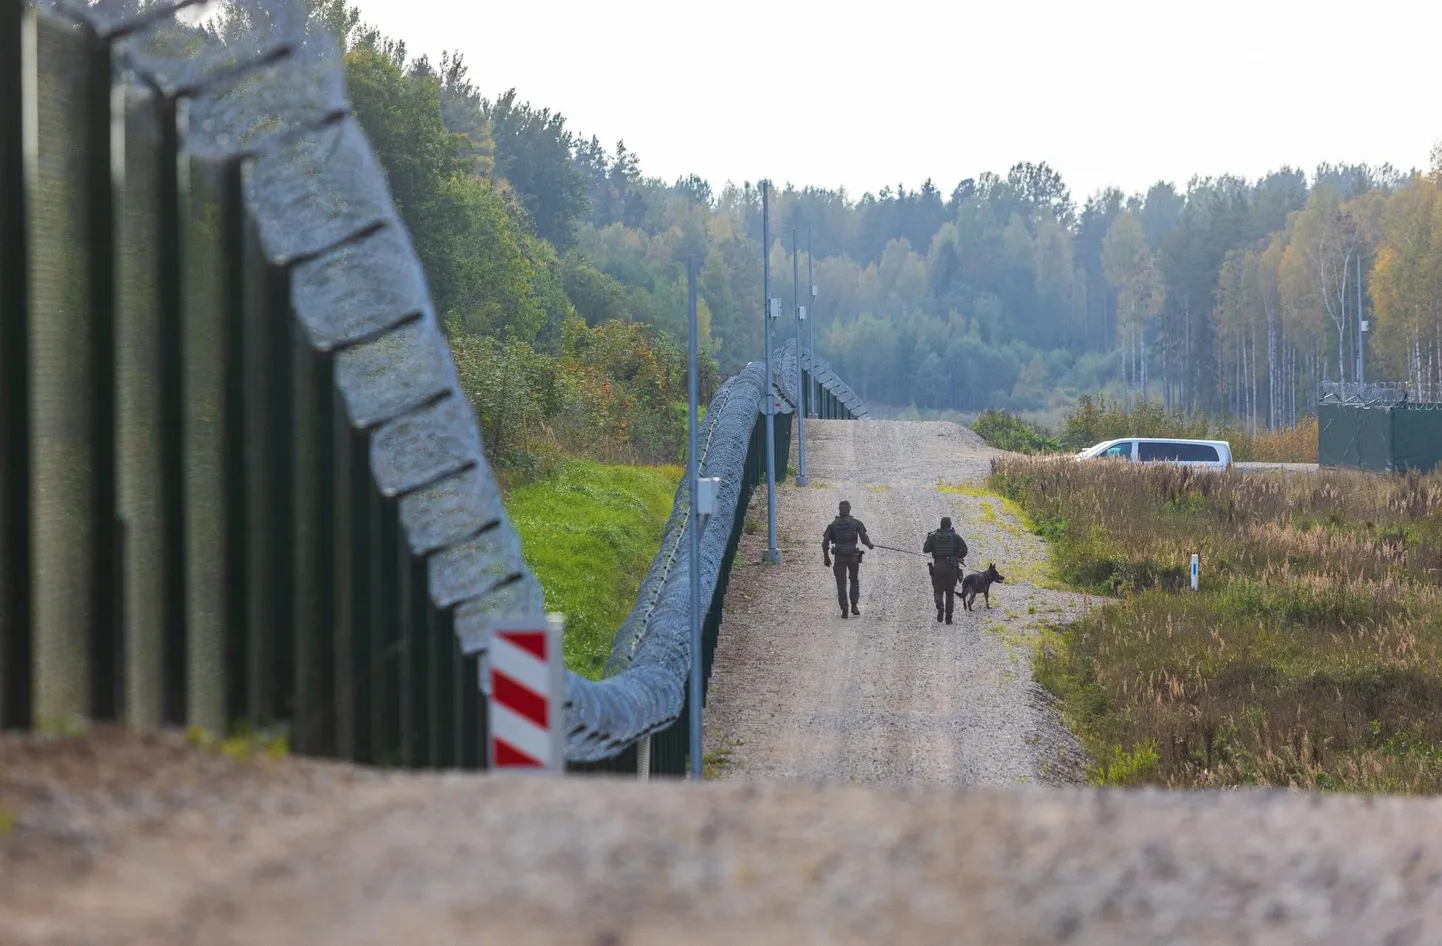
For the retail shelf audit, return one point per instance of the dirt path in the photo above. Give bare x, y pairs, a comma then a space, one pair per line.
892, 697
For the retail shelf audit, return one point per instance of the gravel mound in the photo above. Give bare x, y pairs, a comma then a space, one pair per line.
283, 852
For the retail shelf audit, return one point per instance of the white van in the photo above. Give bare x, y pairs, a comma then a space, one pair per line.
1212, 454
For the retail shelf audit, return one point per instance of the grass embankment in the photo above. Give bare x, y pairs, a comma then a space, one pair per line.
590, 533
1311, 657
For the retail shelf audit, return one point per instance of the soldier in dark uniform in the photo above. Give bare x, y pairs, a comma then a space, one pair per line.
841, 540
948, 552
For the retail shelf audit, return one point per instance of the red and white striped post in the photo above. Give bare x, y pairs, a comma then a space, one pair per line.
525, 674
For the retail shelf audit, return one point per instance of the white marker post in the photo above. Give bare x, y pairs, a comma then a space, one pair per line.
1195, 561
524, 681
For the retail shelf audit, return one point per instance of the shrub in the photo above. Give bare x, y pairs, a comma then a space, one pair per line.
1006, 431
616, 393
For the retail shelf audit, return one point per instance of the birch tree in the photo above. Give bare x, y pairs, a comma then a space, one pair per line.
1132, 271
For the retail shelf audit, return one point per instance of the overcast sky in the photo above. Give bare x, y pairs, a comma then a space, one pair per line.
861, 95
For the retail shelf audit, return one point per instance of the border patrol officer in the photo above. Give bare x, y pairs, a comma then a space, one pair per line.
840, 541
948, 551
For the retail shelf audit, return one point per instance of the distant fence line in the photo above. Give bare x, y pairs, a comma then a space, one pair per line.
1384, 428
239, 481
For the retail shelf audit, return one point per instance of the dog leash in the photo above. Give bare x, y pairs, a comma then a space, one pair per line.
960, 568
918, 554
902, 551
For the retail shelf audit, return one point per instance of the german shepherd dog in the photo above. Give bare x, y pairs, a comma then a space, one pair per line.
979, 583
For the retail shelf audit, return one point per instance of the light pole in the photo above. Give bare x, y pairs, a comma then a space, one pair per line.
703, 504
1362, 327
800, 391
772, 309
811, 328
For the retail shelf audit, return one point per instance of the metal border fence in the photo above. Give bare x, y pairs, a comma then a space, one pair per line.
825, 395
239, 481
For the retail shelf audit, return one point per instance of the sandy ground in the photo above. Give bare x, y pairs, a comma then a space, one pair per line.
893, 697
111, 841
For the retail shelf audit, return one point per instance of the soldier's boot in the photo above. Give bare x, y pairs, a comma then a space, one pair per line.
938, 607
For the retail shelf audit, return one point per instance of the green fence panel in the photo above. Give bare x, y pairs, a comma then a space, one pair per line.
1354, 436
1380, 439
1416, 438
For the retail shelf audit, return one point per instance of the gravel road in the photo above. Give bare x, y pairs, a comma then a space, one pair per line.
891, 697
1251, 466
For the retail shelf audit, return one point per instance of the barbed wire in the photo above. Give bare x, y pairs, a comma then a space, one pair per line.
1381, 395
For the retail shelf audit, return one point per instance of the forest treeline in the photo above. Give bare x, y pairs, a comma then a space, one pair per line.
560, 268
1227, 297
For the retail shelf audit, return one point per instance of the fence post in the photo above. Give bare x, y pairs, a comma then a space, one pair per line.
205, 693
17, 25
67, 243
141, 343
313, 719
643, 759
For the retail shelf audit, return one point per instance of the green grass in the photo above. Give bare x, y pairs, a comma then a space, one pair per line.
714, 763
999, 512
1310, 658
590, 534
